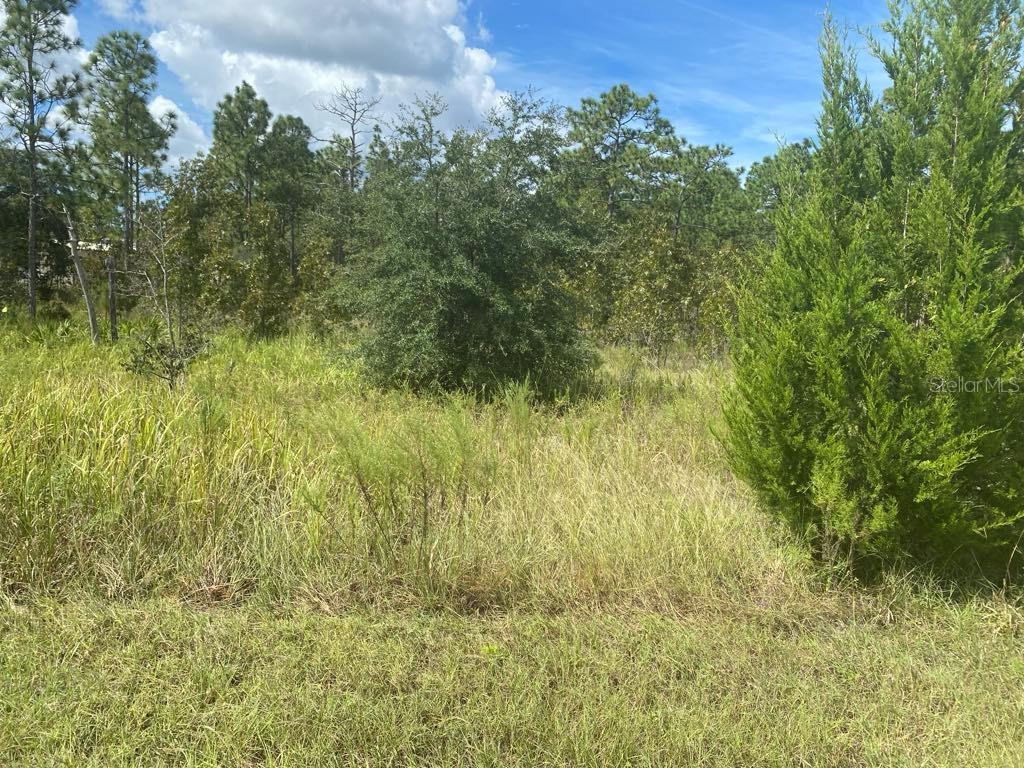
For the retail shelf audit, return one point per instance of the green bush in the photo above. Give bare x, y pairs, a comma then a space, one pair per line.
462, 282
250, 283
878, 403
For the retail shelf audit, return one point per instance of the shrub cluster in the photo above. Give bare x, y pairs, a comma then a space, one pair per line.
879, 355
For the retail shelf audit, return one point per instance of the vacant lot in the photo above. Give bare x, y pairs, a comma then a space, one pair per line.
275, 565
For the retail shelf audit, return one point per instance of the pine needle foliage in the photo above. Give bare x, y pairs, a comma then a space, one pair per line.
877, 404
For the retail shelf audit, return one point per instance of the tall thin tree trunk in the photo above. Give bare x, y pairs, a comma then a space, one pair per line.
137, 205
33, 194
128, 212
353, 162
112, 295
83, 278
292, 252
33, 189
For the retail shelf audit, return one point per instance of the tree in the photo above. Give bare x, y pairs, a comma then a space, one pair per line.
332, 225
175, 342
681, 255
776, 180
288, 163
666, 222
468, 250
32, 91
340, 172
240, 125
225, 220
621, 147
356, 111
248, 279
77, 185
879, 356
179, 235
127, 141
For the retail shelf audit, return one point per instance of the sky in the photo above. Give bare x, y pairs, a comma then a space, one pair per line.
742, 73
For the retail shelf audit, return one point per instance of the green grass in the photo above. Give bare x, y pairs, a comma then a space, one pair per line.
162, 683
275, 565
275, 473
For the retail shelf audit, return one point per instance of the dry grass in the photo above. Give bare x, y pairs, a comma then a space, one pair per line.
158, 683
275, 473
275, 565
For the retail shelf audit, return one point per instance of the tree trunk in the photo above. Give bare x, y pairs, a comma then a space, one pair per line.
127, 221
128, 213
32, 272
136, 206
83, 279
292, 252
353, 161
112, 295
33, 186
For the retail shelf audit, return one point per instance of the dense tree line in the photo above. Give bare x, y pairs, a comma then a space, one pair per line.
508, 245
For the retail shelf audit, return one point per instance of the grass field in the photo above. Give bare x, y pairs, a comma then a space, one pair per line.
276, 565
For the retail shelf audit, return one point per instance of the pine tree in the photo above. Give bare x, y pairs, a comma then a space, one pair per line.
32, 90
775, 181
622, 145
239, 130
879, 358
621, 148
288, 163
127, 141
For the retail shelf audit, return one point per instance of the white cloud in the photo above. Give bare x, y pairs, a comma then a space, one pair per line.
119, 9
403, 37
189, 139
482, 32
76, 58
297, 52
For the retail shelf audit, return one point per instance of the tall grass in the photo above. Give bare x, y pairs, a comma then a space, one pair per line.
274, 471
267, 566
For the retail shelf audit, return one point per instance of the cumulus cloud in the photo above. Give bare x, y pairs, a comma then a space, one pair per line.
404, 37
189, 139
120, 9
297, 52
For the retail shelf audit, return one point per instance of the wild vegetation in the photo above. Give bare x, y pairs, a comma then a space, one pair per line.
879, 355
273, 564
552, 440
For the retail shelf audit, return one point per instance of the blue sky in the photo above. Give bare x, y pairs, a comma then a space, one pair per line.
738, 73
741, 73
